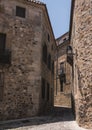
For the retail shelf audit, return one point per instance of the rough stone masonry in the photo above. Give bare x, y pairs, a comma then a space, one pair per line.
81, 41
22, 26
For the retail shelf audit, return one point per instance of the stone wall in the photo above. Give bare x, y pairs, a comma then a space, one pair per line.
48, 73
81, 41
22, 78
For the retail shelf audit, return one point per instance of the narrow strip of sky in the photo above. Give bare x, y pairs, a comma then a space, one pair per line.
59, 13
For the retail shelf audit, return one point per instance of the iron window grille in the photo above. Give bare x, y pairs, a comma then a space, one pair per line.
20, 11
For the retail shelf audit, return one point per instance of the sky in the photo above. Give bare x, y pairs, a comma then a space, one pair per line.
59, 13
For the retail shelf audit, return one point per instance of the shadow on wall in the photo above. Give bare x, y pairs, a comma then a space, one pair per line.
58, 114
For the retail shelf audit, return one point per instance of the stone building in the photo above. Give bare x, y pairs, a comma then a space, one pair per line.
62, 77
27, 47
81, 54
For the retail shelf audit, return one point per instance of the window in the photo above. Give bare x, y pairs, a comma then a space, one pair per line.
53, 67
20, 11
61, 86
52, 47
69, 50
2, 41
62, 76
45, 53
48, 37
62, 67
64, 39
49, 61
1, 86
43, 88
48, 91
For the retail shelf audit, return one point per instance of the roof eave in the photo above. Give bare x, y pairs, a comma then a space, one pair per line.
50, 23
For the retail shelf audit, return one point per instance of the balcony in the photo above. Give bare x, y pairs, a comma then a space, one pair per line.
70, 59
5, 57
70, 54
62, 76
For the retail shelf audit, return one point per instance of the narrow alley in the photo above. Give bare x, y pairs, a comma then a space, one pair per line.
58, 119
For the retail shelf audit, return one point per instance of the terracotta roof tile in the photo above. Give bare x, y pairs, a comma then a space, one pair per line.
35, 1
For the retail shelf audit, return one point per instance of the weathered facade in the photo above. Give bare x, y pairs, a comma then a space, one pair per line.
63, 72
81, 42
26, 59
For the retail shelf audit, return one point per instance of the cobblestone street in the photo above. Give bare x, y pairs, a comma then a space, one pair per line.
59, 120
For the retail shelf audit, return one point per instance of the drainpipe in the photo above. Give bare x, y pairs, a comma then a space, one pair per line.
56, 70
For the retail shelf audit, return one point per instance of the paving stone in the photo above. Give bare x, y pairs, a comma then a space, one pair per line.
51, 122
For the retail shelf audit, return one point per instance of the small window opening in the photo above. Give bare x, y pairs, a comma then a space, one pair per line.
49, 61
43, 88
45, 53
48, 91
2, 41
20, 11
53, 67
48, 37
62, 67
64, 39
61, 86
